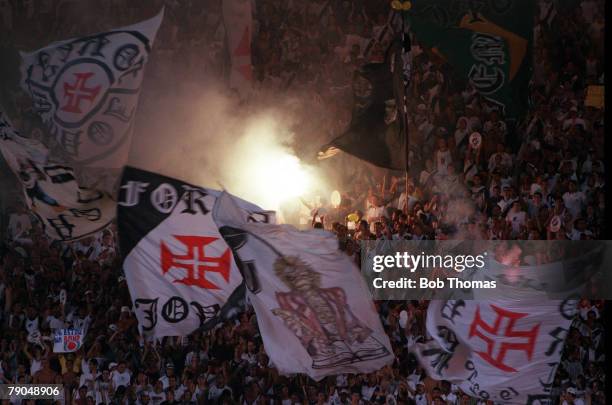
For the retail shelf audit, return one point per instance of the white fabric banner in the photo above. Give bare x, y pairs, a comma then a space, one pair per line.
66, 210
68, 340
178, 268
557, 279
504, 350
86, 91
238, 23
315, 314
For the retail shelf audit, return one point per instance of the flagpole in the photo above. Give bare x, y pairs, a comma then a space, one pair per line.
405, 114
403, 7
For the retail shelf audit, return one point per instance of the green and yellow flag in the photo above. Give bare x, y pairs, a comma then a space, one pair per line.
488, 43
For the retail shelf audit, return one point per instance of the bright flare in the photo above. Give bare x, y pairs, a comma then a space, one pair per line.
281, 177
265, 171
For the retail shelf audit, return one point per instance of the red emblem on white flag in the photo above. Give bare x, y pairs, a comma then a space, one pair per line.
503, 326
195, 262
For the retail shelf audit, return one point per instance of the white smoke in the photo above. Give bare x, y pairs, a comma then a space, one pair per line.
207, 138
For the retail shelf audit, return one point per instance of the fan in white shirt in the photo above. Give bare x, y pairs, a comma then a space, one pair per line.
89, 378
55, 320
443, 157
367, 390
121, 376
376, 209
217, 388
574, 200
420, 397
79, 320
570, 397
31, 321
500, 158
157, 395
516, 217
496, 125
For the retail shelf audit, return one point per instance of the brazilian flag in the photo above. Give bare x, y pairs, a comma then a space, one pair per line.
488, 43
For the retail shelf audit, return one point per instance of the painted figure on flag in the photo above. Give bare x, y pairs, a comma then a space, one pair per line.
321, 318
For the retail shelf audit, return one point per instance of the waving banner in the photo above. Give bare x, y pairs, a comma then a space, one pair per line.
86, 91
178, 268
313, 309
66, 210
488, 44
238, 23
506, 351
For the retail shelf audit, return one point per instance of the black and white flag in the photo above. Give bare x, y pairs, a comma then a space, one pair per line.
506, 351
178, 268
86, 90
51, 191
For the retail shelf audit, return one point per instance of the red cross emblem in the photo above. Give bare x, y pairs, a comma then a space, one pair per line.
195, 262
517, 340
79, 91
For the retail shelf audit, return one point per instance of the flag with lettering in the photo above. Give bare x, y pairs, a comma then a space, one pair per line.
238, 21
314, 311
488, 44
178, 268
66, 210
86, 91
68, 340
506, 351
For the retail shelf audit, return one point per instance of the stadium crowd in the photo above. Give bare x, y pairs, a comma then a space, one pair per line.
540, 179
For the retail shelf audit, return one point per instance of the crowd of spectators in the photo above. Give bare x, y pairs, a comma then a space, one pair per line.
542, 178
225, 366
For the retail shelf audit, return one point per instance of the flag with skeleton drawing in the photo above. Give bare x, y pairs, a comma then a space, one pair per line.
314, 312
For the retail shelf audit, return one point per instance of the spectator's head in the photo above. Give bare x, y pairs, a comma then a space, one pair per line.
145, 397
169, 369
159, 386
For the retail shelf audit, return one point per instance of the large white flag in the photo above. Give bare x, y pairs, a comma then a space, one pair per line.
314, 312
238, 23
66, 210
86, 91
178, 268
503, 350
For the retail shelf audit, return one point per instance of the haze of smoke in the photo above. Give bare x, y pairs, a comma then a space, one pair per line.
202, 135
